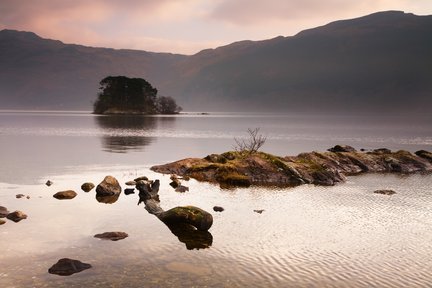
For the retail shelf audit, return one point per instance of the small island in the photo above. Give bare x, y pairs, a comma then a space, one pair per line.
123, 95
245, 168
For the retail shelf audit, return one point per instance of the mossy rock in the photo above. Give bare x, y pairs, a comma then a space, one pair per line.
424, 154
197, 217
230, 155
216, 158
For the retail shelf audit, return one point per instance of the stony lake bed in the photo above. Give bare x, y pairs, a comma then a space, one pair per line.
310, 236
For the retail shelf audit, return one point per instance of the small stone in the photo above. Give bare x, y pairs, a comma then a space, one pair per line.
113, 236
141, 178
28, 197
342, 148
65, 195
2, 221
49, 183
87, 187
182, 189
131, 183
129, 191
66, 267
218, 209
259, 211
3, 212
18, 196
16, 216
385, 192
175, 183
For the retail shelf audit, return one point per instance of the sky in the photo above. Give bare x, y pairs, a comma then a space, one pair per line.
183, 26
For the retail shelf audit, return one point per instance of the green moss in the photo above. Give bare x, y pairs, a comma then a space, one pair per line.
230, 176
204, 167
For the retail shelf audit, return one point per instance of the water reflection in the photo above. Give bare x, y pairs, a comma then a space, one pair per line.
125, 132
189, 235
107, 199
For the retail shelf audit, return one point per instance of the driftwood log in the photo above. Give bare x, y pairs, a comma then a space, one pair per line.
189, 223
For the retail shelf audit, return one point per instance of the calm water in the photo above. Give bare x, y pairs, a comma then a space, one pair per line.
343, 236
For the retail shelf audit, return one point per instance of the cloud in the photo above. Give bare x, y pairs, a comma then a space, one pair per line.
98, 22
257, 12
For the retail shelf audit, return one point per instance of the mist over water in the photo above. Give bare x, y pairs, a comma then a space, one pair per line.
341, 236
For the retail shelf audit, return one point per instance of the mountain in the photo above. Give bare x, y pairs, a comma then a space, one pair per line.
46, 74
376, 63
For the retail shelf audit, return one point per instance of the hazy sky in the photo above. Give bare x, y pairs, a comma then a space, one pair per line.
183, 26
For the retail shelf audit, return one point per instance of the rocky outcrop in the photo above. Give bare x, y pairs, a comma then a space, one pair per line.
87, 186
65, 195
16, 216
319, 168
113, 236
108, 187
66, 267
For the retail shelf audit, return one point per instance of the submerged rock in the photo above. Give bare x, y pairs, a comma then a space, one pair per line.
182, 189
259, 211
16, 216
18, 196
3, 212
87, 187
385, 192
66, 267
65, 195
108, 187
113, 236
197, 217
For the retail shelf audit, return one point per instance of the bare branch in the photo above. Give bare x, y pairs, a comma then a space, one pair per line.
252, 144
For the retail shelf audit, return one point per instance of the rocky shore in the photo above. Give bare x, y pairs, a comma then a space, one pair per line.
242, 169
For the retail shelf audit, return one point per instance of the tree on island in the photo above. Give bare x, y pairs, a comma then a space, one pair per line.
123, 95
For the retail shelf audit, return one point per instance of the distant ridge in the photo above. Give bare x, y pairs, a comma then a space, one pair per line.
376, 63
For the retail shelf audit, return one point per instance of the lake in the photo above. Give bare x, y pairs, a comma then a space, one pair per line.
307, 236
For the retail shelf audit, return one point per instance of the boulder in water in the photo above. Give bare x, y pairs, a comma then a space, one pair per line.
197, 217
108, 187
